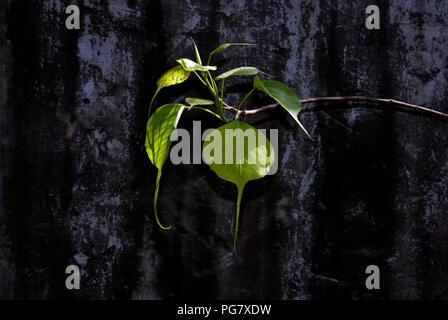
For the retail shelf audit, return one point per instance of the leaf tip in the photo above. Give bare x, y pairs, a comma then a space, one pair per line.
267, 74
160, 225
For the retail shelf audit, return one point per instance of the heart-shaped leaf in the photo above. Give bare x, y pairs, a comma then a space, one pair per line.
157, 142
284, 96
198, 102
190, 65
241, 71
239, 153
171, 77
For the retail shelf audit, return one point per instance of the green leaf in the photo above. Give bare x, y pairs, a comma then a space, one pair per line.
171, 77
239, 153
190, 65
196, 52
241, 71
157, 142
225, 46
198, 102
284, 96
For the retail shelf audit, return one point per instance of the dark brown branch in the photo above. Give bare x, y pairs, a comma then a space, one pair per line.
402, 104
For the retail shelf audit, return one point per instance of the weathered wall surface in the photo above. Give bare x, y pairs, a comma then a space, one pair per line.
76, 185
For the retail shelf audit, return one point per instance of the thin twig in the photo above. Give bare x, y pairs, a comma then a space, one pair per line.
402, 104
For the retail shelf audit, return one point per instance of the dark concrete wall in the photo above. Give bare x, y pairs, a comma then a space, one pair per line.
76, 185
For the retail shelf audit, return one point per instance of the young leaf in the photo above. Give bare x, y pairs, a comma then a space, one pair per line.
171, 77
157, 142
241, 71
238, 152
284, 96
190, 65
196, 52
225, 46
198, 102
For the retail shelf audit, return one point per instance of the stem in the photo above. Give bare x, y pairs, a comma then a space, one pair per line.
156, 194
205, 84
152, 100
213, 84
211, 88
238, 204
212, 81
222, 96
215, 95
402, 104
207, 110
241, 103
